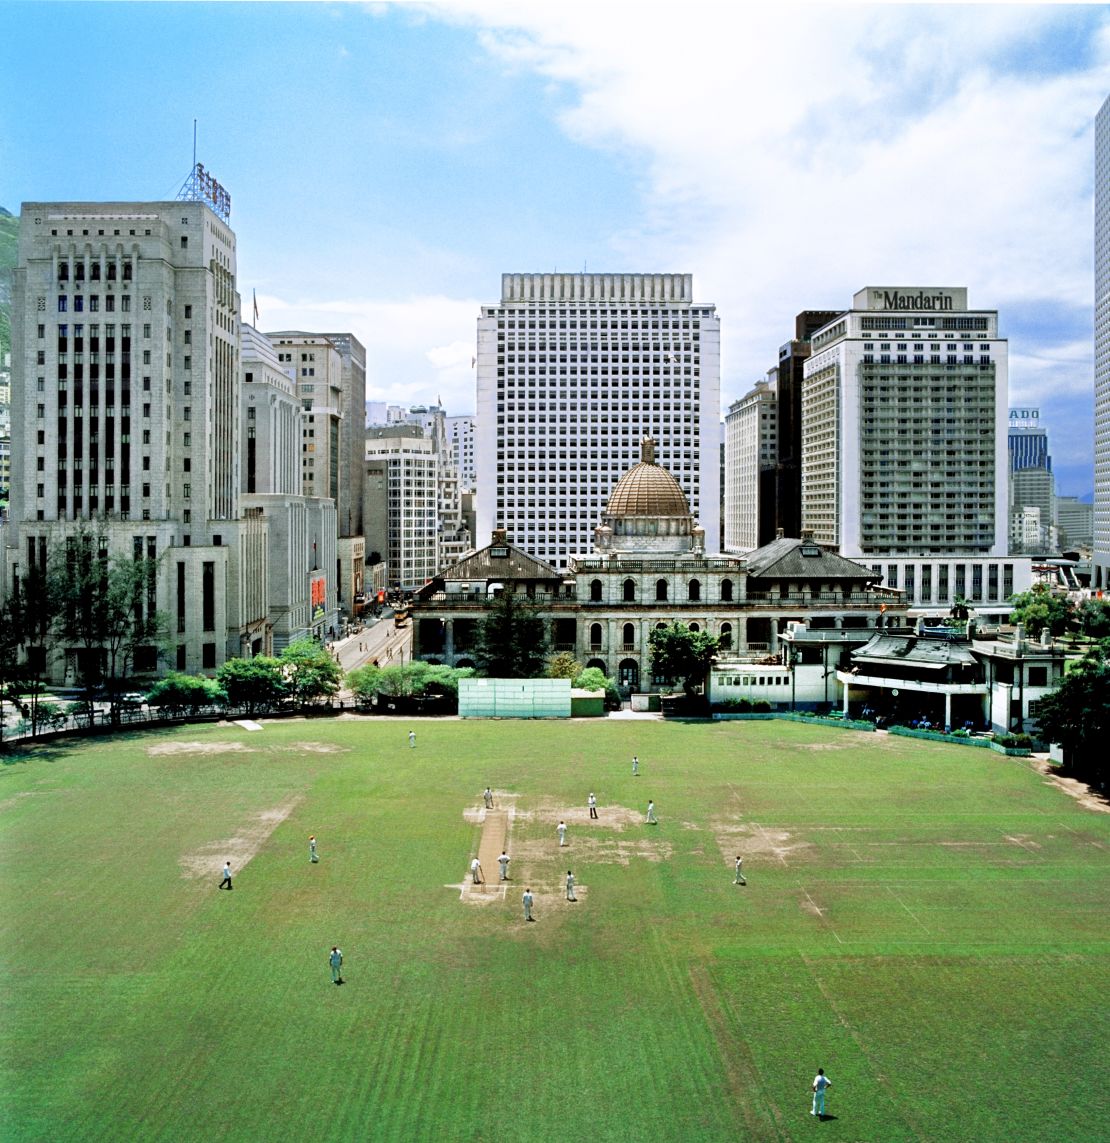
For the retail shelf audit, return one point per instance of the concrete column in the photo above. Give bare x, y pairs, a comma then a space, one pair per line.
448, 639
844, 705
740, 642
947, 710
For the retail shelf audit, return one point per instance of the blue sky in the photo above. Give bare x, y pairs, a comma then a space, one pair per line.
387, 163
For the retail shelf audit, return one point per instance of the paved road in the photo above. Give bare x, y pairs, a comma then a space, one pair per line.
382, 643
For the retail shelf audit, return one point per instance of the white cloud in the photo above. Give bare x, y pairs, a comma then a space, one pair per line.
418, 350
793, 154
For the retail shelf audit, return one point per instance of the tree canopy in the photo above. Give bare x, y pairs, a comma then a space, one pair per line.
1077, 716
311, 674
254, 684
682, 655
512, 640
1042, 608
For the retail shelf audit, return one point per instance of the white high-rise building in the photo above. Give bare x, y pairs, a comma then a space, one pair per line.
904, 444
406, 461
574, 370
750, 450
1100, 560
125, 414
329, 371
460, 439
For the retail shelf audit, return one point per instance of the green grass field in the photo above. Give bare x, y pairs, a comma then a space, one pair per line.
928, 923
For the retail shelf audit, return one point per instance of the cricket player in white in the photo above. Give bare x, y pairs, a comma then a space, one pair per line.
503, 861
476, 871
526, 901
651, 819
570, 887
821, 1083
561, 830
740, 878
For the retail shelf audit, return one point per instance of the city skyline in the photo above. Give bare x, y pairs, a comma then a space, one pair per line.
413, 154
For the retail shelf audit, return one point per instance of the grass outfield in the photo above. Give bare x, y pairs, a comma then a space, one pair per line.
928, 923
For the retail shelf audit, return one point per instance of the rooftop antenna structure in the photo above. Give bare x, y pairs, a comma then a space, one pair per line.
201, 186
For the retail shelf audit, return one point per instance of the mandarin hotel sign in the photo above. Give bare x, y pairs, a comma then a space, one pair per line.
932, 300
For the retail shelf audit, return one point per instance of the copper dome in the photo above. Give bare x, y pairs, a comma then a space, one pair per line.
647, 489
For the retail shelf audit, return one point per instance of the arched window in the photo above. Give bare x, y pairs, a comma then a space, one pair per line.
629, 634
660, 590
695, 589
599, 664
595, 636
595, 591
726, 590
725, 637
629, 674
695, 627
629, 591
660, 626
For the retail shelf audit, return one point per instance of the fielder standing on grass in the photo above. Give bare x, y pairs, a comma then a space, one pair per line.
503, 861
312, 850
412, 739
740, 878
591, 801
526, 901
821, 1084
335, 959
651, 818
561, 830
635, 766
226, 875
570, 887
487, 797
476, 871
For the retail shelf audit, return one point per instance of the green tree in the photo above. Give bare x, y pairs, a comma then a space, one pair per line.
1077, 716
254, 684
511, 640
310, 672
677, 653
105, 608
26, 620
179, 693
563, 666
1041, 608
1093, 617
595, 679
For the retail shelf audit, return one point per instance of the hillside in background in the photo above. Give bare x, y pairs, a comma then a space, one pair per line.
9, 233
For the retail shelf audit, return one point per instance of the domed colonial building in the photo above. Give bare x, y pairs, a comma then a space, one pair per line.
648, 569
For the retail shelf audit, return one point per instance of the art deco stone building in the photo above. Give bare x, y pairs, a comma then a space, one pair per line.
125, 413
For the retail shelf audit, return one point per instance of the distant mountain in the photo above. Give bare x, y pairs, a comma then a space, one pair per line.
9, 235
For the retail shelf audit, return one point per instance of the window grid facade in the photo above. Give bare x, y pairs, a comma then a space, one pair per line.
573, 371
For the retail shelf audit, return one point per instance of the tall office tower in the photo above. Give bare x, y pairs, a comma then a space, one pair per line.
750, 449
1027, 440
1032, 497
454, 536
411, 540
301, 530
329, 370
460, 436
1100, 558
1032, 485
789, 375
904, 443
125, 411
573, 371
1075, 522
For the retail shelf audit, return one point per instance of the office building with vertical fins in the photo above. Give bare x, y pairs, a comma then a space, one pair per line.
573, 371
125, 416
1100, 559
